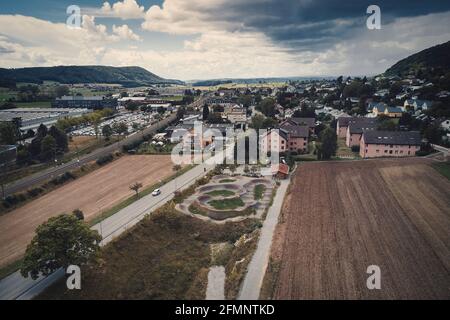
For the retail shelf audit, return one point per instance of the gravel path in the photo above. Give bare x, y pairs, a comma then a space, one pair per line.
257, 267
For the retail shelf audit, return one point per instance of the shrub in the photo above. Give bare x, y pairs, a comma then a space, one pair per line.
62, 178
34, 192
14, 199
104, 159
131, 146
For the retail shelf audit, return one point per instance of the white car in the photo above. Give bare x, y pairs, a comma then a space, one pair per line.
156, 192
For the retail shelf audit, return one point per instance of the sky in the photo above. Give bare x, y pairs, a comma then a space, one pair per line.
210, 39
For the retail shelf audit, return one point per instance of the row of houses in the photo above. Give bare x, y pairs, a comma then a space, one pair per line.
362, 132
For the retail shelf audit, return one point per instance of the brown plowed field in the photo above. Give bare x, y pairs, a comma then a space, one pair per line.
92, 193
341, 217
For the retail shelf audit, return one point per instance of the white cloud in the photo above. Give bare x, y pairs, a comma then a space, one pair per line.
126, 9
218, 48
124, 32
96, 32
185, 17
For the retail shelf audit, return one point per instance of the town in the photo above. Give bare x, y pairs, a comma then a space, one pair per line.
143, 187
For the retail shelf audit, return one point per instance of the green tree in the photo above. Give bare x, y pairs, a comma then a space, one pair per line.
48, 148
386, 124
61, 241
135, 187
328, 144
62, 144
78, 213
120, 128
267, 107
107, 131
61, 91
246, 100
205, 112
257, 121
8, 133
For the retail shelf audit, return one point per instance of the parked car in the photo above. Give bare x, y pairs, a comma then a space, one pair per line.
156, 192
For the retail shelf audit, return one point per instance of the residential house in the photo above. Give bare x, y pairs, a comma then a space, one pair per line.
309, 122
289, 137
356, 127
375, 143
235, 114
392, 112
341, 126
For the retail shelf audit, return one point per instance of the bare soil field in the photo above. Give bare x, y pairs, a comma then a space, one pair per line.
92, 193
341, 217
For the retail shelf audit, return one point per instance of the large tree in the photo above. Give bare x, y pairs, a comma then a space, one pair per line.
205, 112
328, 144
8, 133
107, 131
48, 148
61, 241
62, 144
267, 107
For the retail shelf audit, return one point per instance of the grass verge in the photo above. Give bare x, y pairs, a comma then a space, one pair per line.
443, 168
10, 268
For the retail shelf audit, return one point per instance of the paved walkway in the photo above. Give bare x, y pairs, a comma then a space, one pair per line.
216, 283
257, 268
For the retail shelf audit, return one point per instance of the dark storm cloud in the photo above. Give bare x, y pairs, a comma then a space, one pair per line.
313, 24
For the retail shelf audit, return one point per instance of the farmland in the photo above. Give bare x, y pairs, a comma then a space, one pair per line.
341, 217
93, 193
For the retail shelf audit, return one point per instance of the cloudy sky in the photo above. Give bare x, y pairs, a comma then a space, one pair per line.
204, 39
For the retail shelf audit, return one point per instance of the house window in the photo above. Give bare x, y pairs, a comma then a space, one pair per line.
390, 151
385, 151
378, 151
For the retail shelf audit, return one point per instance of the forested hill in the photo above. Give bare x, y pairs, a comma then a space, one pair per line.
127, 76
436, 58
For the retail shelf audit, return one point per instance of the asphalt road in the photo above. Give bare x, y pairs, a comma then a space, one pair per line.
44, 175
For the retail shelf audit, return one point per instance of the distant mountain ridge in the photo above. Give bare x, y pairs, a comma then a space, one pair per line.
437, 57
126, 76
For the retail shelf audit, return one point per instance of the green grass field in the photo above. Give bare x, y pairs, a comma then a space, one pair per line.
226, 204
259, 191
38, 104
443, 168
223, 193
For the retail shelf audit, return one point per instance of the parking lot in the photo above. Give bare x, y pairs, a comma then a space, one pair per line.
135, 121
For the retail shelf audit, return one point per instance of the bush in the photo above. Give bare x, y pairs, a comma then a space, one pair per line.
14, 199
104, 159
34, 192
132, 145
62, 178
422, 153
